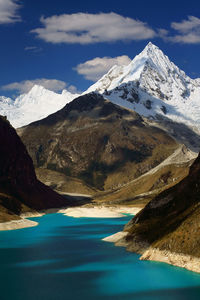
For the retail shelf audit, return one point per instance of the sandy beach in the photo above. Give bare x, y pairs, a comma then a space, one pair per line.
17, 224
99, 212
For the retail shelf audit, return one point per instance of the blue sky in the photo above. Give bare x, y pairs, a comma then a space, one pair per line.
75, 42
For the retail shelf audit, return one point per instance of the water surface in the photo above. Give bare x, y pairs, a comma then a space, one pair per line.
64, 258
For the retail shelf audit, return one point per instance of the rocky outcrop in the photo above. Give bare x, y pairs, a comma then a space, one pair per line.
100, 143
20, 191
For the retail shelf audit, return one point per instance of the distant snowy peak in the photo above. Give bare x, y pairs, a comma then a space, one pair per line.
153, 86
40, 95
37, 104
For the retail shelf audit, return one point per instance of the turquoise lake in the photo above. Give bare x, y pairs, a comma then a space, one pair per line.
64, 258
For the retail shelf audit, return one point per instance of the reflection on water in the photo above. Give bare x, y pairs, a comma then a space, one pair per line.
64, 258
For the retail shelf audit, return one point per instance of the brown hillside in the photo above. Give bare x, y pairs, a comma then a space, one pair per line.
171, 221
104, 145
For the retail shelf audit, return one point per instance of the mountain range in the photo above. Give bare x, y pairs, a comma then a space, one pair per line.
151, 85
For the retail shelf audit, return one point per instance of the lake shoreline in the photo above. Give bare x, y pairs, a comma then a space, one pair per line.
188, 262
94, 211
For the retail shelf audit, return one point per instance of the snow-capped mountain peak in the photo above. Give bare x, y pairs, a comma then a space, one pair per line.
35, 105
150, 60
37, 93
152, 85
153, 56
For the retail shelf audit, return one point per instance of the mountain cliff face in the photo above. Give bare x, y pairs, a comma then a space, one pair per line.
154, 87
167, 229
37, 104
92, 139
19, 188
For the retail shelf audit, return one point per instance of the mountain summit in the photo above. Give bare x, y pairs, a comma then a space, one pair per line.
150, 57
153, 86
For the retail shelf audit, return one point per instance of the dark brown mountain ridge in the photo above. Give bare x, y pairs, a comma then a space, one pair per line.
20, 191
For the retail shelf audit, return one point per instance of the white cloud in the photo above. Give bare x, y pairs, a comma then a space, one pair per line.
187, 31
26, 85
97, 67
186, 25
8, 11
86, 28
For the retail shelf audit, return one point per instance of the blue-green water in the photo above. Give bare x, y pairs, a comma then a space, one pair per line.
64, 258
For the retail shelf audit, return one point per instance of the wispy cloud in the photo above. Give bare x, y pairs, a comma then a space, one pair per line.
186, 31
26, 85
86, 28
9, 11
97, 67
33, 49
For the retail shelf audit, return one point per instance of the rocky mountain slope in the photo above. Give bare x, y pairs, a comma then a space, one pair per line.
154, 87
167, 229
144, 188
37, 104
20, 191
92, 139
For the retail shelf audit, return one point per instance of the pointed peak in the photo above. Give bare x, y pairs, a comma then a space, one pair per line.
154, 56
151, 48
151, 45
